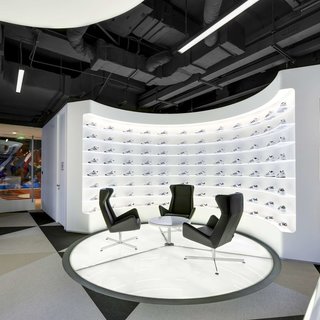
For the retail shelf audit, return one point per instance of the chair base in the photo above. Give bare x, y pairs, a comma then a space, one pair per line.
214, 259
120, 241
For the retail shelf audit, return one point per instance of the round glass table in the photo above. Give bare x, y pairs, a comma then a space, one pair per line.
169, 222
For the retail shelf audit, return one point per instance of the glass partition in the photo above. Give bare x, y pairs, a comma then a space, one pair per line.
20, 174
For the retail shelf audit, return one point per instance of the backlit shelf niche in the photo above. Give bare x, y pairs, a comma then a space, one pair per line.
253, 153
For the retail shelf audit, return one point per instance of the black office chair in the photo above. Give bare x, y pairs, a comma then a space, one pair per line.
126, 222
181, 202
218, 232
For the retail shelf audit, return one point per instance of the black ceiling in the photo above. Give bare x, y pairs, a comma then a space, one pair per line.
131, 61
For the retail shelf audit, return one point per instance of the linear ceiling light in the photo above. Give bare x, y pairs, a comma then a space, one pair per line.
218, 25
19, 80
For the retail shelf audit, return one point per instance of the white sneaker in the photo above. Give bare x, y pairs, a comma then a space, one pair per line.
270, 174
270, 158
282, 208
255, 174
281, 174
94, 148
271, 188
93, 173
269, 204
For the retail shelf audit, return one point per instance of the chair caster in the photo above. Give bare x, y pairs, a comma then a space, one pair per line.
101, 250
243, 262
217, 273
184, 258
135, 248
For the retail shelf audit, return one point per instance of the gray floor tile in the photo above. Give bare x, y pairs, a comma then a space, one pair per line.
16, 219
30, 240
42, 290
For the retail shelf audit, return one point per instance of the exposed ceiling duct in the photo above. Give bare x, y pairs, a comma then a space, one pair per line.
158, 60
163, 69
130, 61
75, 37
211, 13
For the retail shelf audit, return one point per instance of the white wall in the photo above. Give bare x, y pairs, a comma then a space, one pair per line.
303, 243
49, 168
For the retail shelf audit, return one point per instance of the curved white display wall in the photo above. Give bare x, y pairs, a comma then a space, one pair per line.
266, 147
252, 153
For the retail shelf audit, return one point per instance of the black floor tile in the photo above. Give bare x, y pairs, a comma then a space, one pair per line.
61, 254
317, 266
40, 217
20, 211
110, 307
6, 230
60, 238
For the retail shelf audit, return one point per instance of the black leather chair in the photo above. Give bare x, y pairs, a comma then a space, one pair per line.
218, 232
126, 222
181, 202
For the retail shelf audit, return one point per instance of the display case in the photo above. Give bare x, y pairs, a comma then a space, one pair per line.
266, 146
252, 153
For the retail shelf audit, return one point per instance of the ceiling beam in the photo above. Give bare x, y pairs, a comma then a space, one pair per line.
171, 16
261, 66
292, 3
306, 27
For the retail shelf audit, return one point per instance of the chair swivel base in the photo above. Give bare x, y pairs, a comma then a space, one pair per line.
214, 259
120, 241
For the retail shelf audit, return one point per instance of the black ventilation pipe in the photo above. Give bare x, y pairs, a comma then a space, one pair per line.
210, 15
158, 60
75, 37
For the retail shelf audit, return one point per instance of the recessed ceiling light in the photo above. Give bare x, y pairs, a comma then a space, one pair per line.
14, 132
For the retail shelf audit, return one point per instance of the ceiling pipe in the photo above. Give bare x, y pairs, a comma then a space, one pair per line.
211, 13
158, 60
75, 37
160, 69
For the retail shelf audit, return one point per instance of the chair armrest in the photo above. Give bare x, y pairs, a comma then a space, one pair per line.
187, 229
193, 234
212, 221
131, 212
163, 210
127, 223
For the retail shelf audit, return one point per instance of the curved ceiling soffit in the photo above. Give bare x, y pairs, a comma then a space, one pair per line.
61, 14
